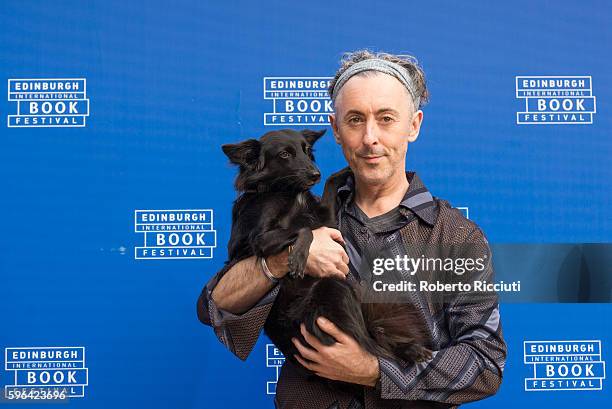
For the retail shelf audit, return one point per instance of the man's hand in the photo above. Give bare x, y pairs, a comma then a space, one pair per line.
326, 256
344, 361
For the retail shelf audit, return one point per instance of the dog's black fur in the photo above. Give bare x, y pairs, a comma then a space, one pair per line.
276, 209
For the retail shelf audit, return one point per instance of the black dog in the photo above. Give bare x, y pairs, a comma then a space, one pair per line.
276, 209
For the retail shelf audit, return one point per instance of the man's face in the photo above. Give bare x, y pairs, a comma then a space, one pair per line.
374, 122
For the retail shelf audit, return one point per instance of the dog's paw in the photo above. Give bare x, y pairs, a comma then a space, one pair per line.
299, 253
421, 354
297, 265
416, 353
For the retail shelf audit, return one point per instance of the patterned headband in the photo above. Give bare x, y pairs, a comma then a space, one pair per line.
378, 64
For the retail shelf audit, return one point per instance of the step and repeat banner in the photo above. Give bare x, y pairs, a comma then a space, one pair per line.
116, 195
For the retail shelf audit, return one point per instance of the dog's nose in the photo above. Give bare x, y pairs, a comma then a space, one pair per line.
315, 174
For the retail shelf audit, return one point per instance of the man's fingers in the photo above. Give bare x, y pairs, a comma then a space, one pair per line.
344, 256
342, 267
335, 235
311, 339
306, 364
328, 258
331, 328
336, 270
305, 352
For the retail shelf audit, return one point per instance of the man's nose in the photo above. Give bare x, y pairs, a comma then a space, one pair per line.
370, 136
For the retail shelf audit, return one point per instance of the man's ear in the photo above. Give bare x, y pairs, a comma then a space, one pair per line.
312, 136
244, 153
417, 120
334, 126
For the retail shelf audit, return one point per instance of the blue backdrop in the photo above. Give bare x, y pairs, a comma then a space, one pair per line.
163, 85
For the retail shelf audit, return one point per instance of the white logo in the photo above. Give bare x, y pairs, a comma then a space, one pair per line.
175, 234
465, 210
564, 365
297, 100
555, 100
46, 372
274, 359
48, 102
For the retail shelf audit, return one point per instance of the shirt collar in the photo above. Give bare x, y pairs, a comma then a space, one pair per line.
417, 200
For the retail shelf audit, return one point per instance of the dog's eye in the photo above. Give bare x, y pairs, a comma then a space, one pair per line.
284, 154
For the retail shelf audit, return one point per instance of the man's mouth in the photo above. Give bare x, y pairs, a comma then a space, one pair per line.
372, 159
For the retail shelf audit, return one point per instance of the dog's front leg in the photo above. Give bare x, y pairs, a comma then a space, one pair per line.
272, 241
275, 241
299, 254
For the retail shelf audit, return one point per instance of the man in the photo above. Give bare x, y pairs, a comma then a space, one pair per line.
379, 207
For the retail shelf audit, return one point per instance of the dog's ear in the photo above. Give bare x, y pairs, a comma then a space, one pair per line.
244, 153
312, 136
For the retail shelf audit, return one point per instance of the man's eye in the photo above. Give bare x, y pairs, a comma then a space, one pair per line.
387, 119
354, 120
284, 154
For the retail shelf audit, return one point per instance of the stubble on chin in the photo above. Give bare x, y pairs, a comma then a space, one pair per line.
374, 174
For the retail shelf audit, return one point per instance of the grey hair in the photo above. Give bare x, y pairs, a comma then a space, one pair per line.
408, 62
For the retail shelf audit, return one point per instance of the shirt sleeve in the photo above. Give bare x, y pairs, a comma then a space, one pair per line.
471, 366
238, 332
